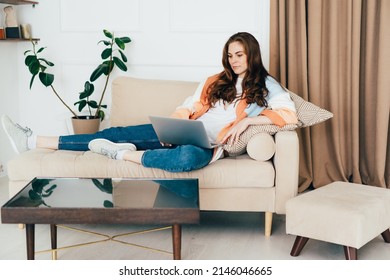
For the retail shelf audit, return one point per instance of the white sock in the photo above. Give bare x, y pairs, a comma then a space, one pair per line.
32, 142
120, 154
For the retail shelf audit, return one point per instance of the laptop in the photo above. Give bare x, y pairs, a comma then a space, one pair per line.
181, 132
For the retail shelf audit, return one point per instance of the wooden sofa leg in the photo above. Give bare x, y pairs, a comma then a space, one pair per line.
386, 235
268, 224
350, 253
299, 243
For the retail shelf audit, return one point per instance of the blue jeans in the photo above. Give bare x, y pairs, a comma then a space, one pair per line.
176, 159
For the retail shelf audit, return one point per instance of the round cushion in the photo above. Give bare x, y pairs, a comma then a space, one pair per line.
261, 147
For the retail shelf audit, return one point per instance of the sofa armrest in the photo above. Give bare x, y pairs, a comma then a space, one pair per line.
286, 162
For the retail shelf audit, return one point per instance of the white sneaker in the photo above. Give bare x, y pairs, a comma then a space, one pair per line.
108, 148
17, 135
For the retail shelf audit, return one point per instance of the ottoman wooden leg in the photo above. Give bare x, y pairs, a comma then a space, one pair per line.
350, 253
299, 243
386, 235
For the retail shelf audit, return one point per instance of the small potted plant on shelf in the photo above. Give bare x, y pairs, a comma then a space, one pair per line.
112, 56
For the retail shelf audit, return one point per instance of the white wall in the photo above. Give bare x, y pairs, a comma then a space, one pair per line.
171, 39
9, 97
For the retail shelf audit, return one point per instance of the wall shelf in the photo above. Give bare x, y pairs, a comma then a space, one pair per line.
18, 2
19, 40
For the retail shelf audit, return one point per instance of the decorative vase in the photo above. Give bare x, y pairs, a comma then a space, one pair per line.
85, 125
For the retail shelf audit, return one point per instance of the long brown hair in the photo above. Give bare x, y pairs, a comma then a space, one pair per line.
253, 84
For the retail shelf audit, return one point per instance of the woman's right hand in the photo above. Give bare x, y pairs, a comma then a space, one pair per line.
235, 132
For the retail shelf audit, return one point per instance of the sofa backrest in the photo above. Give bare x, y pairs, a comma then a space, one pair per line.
135, 99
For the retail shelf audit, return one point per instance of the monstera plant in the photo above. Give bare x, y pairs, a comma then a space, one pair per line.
112, 56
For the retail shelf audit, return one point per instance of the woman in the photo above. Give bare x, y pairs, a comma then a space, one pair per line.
227, 103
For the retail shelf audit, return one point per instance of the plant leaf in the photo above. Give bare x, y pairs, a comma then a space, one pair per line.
97, 72
107, 43
108, 204
106, 53
39, 184
33, 195
107, 183
120, 43
46, 78
89, 87
82, 104
51, 189
46, 61
47, 194
34, 67
101, 113
93, 104
85, 94
30, 59
120, 64
88, 90
40, 49
106, 187
107, 33
124, 58
125, 40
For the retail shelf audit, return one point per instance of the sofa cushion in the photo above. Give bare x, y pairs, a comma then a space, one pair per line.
231, 172
134, 100
261, 147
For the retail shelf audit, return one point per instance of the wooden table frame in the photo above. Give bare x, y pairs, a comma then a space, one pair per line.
32, 215
30, 241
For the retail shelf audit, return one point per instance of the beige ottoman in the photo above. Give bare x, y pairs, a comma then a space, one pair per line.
342, 213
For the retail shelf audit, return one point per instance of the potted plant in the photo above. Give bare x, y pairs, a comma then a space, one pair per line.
112, 57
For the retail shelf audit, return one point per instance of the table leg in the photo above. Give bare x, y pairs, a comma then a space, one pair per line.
30, 239
176, 240
53, 235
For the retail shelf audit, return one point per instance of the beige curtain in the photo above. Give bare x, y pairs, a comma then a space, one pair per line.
336, 54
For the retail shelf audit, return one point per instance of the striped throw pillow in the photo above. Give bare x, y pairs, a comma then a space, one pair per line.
308, 114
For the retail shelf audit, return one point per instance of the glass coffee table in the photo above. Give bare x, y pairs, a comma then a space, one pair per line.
58, 201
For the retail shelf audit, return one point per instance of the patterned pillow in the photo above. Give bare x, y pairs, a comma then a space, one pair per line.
240, 147
308, 114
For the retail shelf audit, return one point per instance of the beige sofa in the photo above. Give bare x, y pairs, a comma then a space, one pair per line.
248, 182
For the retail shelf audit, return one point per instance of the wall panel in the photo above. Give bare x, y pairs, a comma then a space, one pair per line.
171, 39
92, 15
215, 16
